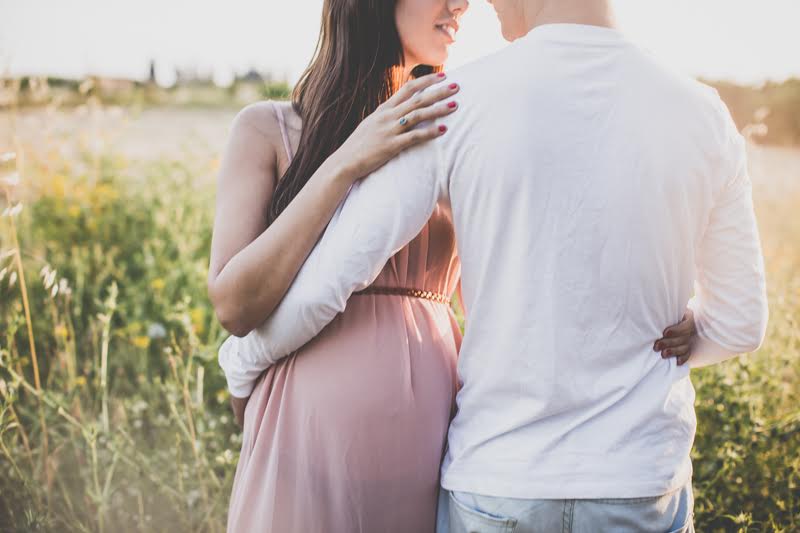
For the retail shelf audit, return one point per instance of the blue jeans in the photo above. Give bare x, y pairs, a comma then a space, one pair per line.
465, 512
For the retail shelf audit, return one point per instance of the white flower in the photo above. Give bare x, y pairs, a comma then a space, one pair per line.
156, 331
12, 180
13, 210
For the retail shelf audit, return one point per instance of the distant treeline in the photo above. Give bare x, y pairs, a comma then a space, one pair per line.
776, 105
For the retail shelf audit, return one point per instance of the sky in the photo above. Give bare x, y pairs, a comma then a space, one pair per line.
747, 41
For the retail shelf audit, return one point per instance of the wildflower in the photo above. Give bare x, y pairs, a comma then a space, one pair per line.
192, 496
13, 210
58, 185
141, 341
156, 331
63, 286
158, 284
61, 331
197, 316
11, 180
80, 381
48, 276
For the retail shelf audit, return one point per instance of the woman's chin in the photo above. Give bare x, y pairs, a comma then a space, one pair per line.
437, 58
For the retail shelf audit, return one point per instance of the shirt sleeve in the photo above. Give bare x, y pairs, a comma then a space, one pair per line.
380, 215
730, 302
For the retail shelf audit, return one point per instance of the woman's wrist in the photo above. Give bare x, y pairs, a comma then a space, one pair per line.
339, 171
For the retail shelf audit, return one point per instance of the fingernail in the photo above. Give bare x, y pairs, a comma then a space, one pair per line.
668, 353
451, 105
442, 129
453, 86
657, 347
440, 75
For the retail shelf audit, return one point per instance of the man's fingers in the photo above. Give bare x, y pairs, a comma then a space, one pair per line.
682, 360
685, 327
676, 352
671, 342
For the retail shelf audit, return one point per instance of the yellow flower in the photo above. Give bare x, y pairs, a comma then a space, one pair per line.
74, 211
141, 341
61, 331
198, 315
105, 193
58, 185
222, 396
80, 381
158, 284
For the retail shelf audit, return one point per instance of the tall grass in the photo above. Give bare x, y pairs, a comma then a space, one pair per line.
114, 415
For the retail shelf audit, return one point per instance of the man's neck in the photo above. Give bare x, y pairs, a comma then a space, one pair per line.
588, 12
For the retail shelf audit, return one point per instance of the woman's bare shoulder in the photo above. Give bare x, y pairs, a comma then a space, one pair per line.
258, 117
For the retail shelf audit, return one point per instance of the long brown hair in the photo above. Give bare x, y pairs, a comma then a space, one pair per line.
356, 67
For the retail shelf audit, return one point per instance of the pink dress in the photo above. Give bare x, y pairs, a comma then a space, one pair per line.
347, 434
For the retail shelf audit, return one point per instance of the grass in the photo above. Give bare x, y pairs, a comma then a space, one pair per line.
114, 415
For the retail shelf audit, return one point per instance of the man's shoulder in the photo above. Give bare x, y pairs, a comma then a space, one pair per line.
483, 71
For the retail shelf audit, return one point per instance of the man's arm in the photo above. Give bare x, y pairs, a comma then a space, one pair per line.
730, 302
380, 215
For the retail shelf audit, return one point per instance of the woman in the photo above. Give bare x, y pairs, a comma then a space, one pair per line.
347, 434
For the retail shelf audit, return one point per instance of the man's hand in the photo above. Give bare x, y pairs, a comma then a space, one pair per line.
678, 339
238, 405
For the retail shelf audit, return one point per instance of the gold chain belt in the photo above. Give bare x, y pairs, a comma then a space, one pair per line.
403, 291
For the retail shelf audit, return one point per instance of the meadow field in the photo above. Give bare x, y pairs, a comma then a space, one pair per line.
114, 415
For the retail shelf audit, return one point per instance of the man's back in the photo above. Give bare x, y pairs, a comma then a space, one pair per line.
590, 190
583, 177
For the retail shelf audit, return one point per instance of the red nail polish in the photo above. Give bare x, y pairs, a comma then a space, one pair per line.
441, 74
442, 129
454, 86
451, 105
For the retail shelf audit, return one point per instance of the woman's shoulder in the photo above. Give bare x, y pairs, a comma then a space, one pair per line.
258, 117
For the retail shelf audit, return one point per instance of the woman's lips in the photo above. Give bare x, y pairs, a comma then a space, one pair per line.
448, 31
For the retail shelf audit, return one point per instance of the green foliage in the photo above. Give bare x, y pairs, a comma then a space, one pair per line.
131, 428
277, 91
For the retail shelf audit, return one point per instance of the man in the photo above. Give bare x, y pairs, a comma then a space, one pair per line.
592, 190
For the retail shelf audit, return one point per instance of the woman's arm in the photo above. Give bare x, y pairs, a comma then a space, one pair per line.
253, 265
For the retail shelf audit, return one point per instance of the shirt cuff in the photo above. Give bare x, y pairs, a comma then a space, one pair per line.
705, 351
239, 384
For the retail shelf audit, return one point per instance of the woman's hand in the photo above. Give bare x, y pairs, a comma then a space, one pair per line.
677, 339
390, 129
238, 405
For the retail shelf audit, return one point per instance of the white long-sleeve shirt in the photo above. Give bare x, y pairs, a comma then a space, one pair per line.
592, 192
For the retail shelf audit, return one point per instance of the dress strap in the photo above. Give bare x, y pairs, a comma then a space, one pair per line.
284, 133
